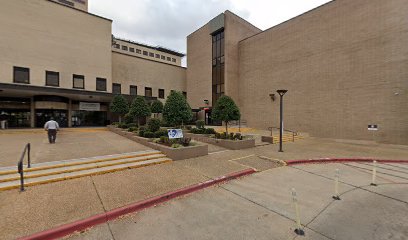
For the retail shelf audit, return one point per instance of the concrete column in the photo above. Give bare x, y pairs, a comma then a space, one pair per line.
69, 113
32, 112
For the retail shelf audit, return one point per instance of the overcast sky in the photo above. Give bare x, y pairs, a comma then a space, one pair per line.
168, 22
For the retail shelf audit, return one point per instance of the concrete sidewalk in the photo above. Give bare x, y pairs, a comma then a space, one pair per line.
47, 206
260, 207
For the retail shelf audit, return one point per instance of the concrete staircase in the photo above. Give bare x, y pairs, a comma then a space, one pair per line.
43, 173
287, 137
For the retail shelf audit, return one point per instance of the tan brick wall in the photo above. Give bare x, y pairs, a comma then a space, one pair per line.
129, 70
236, 29
345, 66
42, 35
199, 69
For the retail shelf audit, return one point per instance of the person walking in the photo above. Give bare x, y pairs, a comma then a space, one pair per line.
51, 127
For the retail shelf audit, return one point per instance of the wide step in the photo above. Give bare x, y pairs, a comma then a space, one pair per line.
68, 169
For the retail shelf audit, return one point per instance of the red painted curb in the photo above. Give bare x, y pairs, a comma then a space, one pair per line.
336, 160
83, 224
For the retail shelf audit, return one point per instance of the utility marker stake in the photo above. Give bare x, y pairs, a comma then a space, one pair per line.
298, 230
336, 185
374, 173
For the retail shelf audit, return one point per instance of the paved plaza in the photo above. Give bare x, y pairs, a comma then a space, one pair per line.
260, 207
71, 143
257, 206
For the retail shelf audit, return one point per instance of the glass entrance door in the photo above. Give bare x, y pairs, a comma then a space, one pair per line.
43, 115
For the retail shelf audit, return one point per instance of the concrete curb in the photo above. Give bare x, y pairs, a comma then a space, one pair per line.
83, 224
339, 160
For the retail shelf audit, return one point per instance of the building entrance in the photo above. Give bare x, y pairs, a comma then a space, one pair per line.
88, 118
43, 115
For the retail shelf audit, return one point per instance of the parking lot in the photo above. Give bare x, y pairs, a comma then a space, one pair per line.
260, 207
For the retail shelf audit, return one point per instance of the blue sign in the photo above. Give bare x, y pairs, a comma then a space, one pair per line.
175, 133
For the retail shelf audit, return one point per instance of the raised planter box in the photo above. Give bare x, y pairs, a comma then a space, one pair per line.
173, 153
181, 152
229, 144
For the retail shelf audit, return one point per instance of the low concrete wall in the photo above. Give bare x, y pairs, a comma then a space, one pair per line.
229, 144
268, 139
173, 153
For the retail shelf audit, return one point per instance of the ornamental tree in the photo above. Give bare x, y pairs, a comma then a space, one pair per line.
119, 105
156, 107
139, 108
176, 110
225, 110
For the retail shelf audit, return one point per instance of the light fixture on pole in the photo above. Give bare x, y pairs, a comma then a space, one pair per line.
281, 93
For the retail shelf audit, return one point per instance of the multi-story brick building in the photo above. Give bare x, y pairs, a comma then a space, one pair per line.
56, 59
344, 63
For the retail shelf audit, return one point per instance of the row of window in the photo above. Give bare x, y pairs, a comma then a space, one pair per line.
22, 75
146, 53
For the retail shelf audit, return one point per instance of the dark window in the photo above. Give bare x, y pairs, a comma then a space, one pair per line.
21, 75
117, 46
138, 51
173, 60
78, 81
163, 57
161, 93
125, 48
168, 58
185, 94
145, 53
151, 54
131, 49
157, 55
218, 62
100, 84
116, 88
148, 92
133, 90
52, 78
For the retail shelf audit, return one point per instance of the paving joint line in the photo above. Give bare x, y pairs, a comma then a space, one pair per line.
270, 210
359, 187
377, 171
103, 206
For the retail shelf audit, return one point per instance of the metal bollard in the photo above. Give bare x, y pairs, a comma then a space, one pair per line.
374, 173
336, 185
298, 230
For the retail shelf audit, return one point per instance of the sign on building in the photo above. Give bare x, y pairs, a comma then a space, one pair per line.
175, 133
86, 106
373, 127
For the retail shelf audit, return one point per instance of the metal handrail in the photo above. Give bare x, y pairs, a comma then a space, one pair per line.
294, 133
20, 165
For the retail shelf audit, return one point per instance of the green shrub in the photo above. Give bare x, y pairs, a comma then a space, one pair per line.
122, 125
209, 131
153, 125
231, 136
148, 134
164, 139
185, 141
132, 129
188, 127
132, 125
175, 145
141, 133
217, 135
115, 123
238, 136
160, 133
200, 124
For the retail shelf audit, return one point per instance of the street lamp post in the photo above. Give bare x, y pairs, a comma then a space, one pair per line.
281, 93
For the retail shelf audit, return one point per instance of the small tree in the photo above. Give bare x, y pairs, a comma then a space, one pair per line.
157, 107
225, 110
139, 108
176, 110
119, 105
